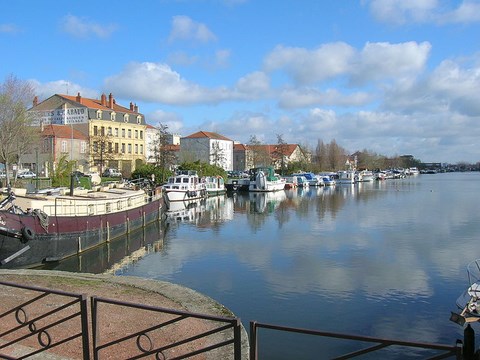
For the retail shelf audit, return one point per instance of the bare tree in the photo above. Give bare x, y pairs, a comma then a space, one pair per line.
163, 154
257, 153
101, 150
281, 152
16, 132
217, 155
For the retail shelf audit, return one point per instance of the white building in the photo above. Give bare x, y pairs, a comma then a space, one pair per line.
207, 147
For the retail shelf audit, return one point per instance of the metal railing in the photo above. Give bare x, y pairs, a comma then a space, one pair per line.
32, 322
445, 351
201, 334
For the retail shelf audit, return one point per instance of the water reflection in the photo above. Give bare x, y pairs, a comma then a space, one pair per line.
113, 255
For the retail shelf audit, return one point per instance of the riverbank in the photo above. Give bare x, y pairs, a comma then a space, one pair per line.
126, 289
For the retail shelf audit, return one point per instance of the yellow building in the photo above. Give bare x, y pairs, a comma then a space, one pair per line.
116, 134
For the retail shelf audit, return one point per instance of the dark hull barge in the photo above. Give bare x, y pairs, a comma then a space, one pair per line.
35, 229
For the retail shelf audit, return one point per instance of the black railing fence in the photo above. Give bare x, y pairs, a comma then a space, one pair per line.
442, 351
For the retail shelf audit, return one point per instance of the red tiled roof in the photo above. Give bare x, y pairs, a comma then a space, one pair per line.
206, 134
270, 149
97, 103
63, 132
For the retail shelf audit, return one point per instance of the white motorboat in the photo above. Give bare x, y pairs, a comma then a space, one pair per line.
184, 186
215, 185
264, 179
312, 179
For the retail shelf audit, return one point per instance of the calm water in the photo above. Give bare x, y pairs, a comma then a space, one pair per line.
384, 259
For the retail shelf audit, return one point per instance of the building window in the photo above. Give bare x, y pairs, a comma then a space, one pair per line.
109, 131
102, 131
139, 119
95, 130
129, 148
141, 149
136, 148
123, 133
99, 114
125, 117
116, 132
123, 148
83, 147
141, 134
136, 134
64, 146
116, 148
129, 133
95, 146
112, 116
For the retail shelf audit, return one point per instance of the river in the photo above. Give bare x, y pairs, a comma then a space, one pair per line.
384, 259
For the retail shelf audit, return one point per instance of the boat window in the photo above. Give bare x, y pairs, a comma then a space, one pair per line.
185, 180
178, 180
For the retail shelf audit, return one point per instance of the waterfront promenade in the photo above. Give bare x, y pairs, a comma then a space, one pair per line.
116, 321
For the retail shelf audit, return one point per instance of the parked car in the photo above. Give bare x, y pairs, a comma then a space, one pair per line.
110, 172
27, 175
78, 174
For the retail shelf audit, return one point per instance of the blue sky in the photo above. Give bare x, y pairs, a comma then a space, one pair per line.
392, 77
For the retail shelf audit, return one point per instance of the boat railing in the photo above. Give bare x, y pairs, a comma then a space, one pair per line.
91, 206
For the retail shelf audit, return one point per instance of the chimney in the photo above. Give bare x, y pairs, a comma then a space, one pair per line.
104, 100
135, 108
131, 106
110, 101
35, 101
79, 98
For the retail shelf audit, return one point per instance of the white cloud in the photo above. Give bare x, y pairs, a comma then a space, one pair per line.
184, 28
401, 11
254, 84
310, 66
423, 11
64, 87
9, 28
172, 120
82, 28
155, 82
306, 97
381, 61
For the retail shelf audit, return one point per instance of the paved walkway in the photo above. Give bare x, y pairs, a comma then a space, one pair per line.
124, 288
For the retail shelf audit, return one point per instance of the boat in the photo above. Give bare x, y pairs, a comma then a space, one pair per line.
239, 184
184, 186
302, 181
348, 175
47, 227
469, 301
290, 182
365, 176
215, 185
328, 180
313, 180
264, 179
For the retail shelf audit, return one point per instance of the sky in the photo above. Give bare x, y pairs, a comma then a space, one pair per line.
393, 77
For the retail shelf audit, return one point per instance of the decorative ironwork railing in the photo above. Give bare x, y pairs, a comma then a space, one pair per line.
220, 337
35, 320
446, 351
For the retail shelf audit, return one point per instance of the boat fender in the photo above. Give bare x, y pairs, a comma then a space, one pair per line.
28, 234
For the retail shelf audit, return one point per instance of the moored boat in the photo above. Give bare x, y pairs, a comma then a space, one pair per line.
264, 179
469, 300
214, 185
184, 186
39, 228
